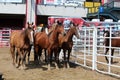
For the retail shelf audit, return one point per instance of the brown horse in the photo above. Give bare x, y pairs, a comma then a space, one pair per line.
66, 43
21, 41
41, 41
115, 42
54, 44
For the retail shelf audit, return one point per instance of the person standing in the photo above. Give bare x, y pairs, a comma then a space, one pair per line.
39, 27
66, 23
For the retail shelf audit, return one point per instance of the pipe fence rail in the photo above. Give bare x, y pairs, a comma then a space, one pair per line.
89, 50
4, 37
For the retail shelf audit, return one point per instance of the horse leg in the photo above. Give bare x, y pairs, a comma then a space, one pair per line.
56, 58
45, 55
112, 55
28, 61
68, 65
60, 54
36, 48
24, 59
17, 58
12, 50
65, 65
39, 55
106, 54
49, 57
23, 56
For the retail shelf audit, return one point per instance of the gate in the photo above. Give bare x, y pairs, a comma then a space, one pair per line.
88, 51
83, 48
4, 37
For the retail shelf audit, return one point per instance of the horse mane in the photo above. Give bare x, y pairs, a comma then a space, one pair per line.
71, 27
58, 25
43, 28
50, 33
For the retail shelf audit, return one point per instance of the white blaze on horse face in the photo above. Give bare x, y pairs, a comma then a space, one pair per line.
46, 30
32, 36
78, 33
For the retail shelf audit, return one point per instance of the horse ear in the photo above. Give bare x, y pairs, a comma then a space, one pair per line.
32, 23
28, 23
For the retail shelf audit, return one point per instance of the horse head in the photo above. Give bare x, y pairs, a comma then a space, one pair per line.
30, 33
60, 29
75, 31
106, 34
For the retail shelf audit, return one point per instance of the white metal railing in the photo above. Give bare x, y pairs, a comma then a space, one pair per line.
4, 38
90, 49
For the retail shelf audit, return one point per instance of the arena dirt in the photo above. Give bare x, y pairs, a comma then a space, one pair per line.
38, 72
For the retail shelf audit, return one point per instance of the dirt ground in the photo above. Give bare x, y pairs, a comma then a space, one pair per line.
39, 72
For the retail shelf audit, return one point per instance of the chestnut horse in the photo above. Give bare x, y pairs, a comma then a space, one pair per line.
54, 44
41, 41
66, 43
115, 42
21, 41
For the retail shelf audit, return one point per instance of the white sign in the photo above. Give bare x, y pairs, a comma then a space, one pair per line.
49, 1
13, 1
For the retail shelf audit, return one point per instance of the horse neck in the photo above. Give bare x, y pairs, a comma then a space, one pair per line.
55, 35
69, 35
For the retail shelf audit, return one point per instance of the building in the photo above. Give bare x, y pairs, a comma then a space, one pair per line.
109, 9
16, 13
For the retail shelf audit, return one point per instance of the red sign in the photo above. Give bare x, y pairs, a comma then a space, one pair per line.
76, 21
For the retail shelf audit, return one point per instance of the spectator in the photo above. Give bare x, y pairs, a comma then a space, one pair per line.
39, 27
66, 23
54, 25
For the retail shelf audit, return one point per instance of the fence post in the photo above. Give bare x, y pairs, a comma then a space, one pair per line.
94, 56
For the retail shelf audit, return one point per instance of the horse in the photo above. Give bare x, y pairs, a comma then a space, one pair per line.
21, 41
54, 45
115, 42
66, 43
41, 41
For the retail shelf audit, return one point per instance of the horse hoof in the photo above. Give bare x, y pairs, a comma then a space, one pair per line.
68, 66
16, 65
57, 68
49, 69
114, 62
22, 68
64, 68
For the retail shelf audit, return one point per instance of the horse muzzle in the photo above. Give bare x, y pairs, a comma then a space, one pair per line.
31, 43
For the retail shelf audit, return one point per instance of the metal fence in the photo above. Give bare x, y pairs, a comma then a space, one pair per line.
4, 37
88, 51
